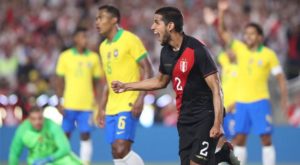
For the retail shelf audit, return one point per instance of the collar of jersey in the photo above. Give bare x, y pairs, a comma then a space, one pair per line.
260, 48
75, 51
116, 37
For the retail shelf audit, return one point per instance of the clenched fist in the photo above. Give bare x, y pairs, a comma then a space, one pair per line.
118, 86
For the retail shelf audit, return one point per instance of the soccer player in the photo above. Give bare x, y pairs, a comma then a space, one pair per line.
78, 71
194, 75
45, 141
253, 109
227, 61
123, 57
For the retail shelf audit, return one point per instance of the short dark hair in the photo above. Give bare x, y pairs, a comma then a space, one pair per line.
79, 30
35, 109
257, 27
171, 14
112, 10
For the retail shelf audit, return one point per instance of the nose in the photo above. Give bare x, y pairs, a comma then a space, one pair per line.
152, 27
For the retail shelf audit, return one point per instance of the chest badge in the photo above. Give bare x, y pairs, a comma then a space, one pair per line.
116, 53
183, 65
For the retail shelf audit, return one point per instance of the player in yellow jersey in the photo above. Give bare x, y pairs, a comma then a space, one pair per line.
253, 109
123, 58
227, 61
78, 71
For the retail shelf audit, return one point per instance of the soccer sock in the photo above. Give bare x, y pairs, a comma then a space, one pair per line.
241, 153
86, 151
268, 155
131, 158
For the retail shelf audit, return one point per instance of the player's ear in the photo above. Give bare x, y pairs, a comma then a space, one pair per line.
170, 26
115, 20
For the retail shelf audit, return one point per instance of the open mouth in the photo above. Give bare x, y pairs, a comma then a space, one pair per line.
156, 35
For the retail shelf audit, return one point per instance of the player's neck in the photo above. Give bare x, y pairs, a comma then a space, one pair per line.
112, 34
176, 41
254, 47
80, 49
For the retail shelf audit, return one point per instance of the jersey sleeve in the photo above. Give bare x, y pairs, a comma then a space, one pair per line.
61, 66
161, 63
61, 141
16, 147
137, 49
205, 62
97, 69
223, 59
274, 64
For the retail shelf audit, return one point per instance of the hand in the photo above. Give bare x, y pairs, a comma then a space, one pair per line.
223, 5
209, 16
215, 131
60, 109
101, 118
137, 108
43, 161
118, 86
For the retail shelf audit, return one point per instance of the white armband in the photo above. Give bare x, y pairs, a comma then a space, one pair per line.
276, 70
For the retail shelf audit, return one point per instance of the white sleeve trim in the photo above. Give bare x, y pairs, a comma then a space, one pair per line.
276, 70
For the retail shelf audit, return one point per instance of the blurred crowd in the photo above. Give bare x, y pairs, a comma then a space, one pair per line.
34, 32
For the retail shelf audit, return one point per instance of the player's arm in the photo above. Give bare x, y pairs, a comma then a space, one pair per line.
283, 90
213, 81
16, 148
158, 82
60, 80
222, 30
146, 72
61, 141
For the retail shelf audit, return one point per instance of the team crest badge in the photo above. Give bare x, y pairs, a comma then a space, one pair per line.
116, 52
183, 65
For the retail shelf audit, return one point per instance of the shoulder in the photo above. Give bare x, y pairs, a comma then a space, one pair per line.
102, 44
268, 51
129, 34
93, 54
66, 52
51, 124
25, 125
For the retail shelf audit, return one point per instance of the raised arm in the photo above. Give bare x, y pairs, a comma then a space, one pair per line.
158, 82
213, 81
222, 30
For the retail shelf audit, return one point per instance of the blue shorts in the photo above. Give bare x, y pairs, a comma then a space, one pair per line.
120, 126
256, 115
83, 120
228, 126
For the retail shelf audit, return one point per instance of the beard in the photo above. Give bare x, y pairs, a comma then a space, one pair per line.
165, 39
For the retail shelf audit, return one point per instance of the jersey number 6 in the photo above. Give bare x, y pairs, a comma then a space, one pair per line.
121, 122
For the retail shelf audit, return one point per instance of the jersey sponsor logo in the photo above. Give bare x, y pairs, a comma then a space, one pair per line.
183, 65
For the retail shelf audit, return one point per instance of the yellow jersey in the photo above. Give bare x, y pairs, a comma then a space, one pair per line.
120, 60
78, 71
254, 68
229, 79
